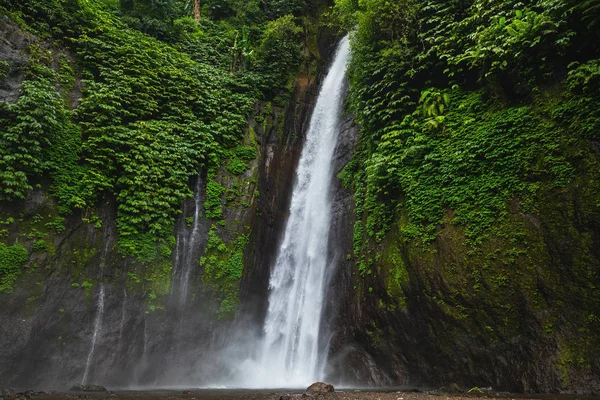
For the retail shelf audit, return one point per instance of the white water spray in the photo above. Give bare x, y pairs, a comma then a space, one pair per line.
290, 354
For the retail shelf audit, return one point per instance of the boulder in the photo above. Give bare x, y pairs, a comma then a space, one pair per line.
88, 388
320, 387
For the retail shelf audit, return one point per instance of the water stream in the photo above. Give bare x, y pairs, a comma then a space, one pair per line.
187, 243
291, 354
191, 242
99, 315
97, 328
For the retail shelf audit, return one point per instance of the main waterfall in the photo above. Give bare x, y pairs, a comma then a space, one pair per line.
290, 354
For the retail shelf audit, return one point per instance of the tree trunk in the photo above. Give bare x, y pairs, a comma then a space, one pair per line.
197, 11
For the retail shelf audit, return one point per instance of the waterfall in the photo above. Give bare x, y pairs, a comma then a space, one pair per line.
189, 261
186, 254
99, 315
290, 354
97, 327
123, 315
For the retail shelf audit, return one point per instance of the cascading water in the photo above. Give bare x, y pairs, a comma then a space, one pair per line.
99, 317
290, 354
187, 243
97, 328
193, 241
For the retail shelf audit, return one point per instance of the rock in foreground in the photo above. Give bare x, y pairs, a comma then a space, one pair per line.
88, 388
320, 387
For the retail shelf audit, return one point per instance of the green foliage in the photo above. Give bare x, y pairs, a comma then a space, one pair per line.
237, 166
238, 163
584, 78
427, 149
4, 69
12, 259
245, 153
222, 270
145, 246
41, 246
145, 136
154, 17
432, 104
87, 284
358, 237
150, 115
241, 51
66, 75
397, 276
486, 157
58, 225
279, 8
44, 17
134, 277
278, 55
212, 204
37, 134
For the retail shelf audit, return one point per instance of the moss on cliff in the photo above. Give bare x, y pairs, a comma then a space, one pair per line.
12, 259
223, 266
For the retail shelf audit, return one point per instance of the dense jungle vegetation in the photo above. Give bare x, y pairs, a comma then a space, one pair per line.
165, 92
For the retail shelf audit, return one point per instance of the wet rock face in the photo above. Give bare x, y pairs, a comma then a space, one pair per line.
345, 316
280, 137
14, 52
438, 327
49, 318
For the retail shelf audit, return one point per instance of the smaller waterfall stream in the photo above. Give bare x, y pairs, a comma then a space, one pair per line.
99, 315
123, 315
193, 242
186, 247
97, 328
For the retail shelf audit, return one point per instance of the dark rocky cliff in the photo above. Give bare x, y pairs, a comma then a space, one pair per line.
346, 318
